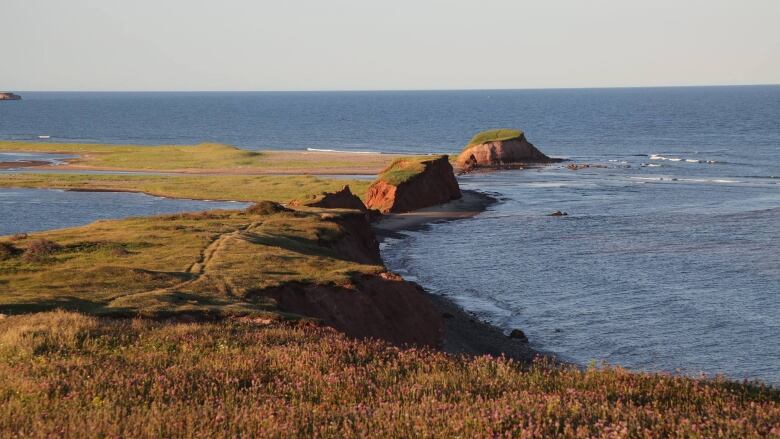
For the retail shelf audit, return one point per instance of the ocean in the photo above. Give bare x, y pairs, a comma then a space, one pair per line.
668, 259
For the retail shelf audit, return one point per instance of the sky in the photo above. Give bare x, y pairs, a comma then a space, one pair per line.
176, 45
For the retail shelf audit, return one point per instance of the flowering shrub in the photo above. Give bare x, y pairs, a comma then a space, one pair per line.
65, 374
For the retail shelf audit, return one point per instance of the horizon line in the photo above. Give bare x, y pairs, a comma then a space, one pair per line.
358, 90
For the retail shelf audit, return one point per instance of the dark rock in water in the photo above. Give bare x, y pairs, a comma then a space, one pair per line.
578, 166
559, 213
518, 334
447, 315
6, 96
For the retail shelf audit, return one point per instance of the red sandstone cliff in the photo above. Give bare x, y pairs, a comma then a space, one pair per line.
501, 153
343, 199
379, 305
432, 182
382, 306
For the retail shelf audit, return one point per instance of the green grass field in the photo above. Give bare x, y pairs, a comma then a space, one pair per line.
221, 187
207, 263
206, 157
69, 375
494, 135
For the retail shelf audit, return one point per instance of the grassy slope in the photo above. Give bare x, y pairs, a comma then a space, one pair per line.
186, 263
494, 135
68, 375
223, 187
200, 157
404, 168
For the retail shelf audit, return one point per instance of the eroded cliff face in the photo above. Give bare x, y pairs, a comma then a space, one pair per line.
380, 305
436, 184
501, 153
343, 199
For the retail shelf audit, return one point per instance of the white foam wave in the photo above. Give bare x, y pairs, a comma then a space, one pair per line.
342, 151
679, 159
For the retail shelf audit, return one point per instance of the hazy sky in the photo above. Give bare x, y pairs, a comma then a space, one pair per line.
391, 44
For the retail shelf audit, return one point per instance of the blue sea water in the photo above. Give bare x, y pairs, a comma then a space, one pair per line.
30, 210
668, 259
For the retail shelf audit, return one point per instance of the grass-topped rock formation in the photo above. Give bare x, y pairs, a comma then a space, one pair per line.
267, 262
499, 148
412, 183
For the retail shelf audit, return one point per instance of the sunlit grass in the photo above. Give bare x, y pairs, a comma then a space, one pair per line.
404, 168
207, 263
221, 187
206, 157
494, 135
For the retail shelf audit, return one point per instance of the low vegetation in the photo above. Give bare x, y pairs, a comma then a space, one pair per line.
69, 375
494, 136
404, 168
211, 157
207, 263
222, 187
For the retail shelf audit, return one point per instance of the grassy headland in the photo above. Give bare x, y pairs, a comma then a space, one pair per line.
194, 263
206, 158
218, 187
69, 375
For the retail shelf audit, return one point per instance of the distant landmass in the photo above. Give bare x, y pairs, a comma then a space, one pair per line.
8, 96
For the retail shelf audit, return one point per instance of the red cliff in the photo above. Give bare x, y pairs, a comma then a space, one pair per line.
372, 305
413, 183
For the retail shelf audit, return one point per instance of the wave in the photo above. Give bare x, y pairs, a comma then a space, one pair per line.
680, 159
688, 180
342, 151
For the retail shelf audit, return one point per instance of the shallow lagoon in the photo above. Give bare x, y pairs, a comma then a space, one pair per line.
29, 210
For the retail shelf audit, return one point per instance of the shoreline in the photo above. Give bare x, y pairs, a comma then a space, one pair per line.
464, 333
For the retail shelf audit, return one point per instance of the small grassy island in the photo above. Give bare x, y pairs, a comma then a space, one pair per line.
281, 321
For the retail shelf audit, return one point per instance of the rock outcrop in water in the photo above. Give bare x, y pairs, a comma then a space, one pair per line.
500, 148
343, 199
7, 96
413, 183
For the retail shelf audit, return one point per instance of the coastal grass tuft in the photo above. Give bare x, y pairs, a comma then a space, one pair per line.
64, 374
279, 188
494, 136
403, 169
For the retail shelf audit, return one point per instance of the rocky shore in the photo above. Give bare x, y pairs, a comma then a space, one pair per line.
464, 333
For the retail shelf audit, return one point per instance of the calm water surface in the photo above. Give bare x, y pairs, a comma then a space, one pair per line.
29, 210
668, 260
